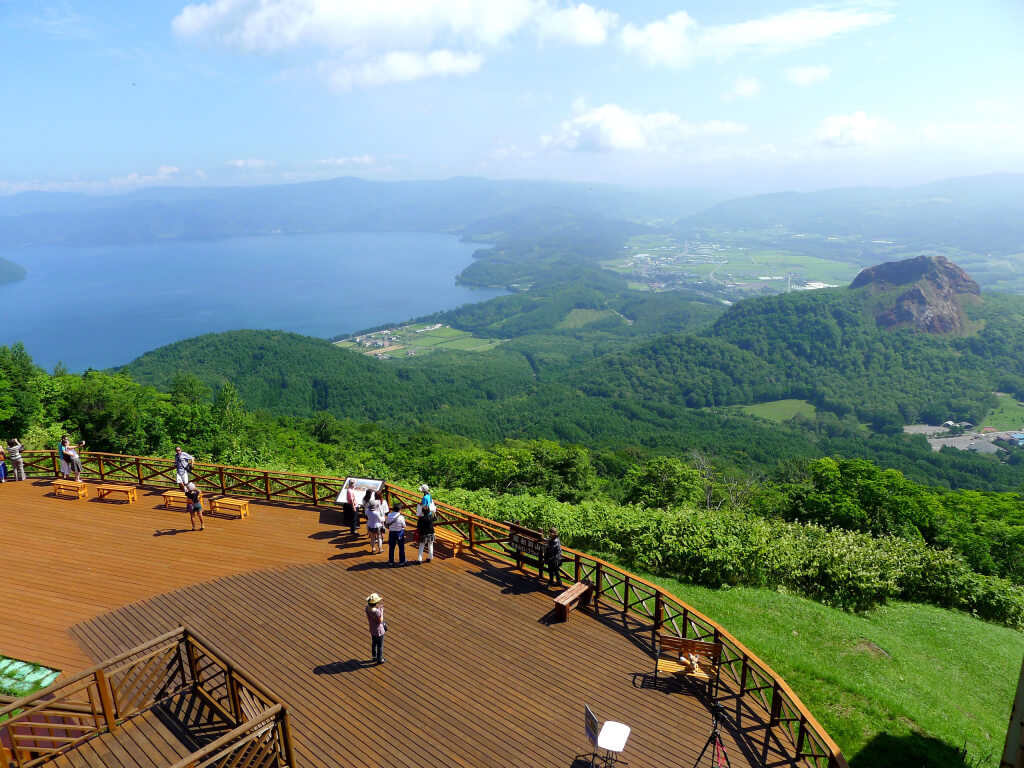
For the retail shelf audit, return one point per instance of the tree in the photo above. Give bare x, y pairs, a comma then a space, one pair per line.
663, 482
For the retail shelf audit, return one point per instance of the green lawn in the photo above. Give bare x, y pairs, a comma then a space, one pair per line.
780, 410
906, 685
1007, 415
577, 318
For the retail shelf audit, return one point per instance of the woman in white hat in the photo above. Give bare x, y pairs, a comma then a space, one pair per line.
375, 617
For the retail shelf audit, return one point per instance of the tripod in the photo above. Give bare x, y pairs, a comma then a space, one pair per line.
718, 756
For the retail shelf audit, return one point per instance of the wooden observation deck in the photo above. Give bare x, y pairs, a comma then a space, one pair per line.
478, 673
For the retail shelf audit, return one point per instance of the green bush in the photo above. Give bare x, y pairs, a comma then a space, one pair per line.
845, 569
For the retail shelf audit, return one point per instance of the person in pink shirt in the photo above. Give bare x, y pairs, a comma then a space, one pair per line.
375, 618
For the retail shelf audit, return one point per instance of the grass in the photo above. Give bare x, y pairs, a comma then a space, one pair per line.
780, 410
1007, 415
578, 318
20, 678
905, 685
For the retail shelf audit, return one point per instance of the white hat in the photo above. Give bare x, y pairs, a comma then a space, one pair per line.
374, 599
424, 488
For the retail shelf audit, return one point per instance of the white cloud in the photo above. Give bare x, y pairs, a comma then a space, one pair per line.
678, 40
849, 130
252, 163
386, 41
348, 161
743, 88
131, 180
808, 75
399, 67
610, 128
579, 24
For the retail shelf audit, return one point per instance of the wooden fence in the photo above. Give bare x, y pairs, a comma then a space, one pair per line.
791, 728
40, 728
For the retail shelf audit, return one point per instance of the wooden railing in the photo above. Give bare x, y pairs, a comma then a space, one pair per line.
40, 728
790, 727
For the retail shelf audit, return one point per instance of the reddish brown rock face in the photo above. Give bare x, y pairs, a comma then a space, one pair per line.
931, 302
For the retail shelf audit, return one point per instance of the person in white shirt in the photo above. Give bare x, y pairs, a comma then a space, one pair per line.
395, 522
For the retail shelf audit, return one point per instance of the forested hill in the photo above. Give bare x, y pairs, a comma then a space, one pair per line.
826, 347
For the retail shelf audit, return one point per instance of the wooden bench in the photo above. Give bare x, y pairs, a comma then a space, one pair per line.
102, 491
673, 659
175, 499
70, 488
571, 598
241, 506
452, 540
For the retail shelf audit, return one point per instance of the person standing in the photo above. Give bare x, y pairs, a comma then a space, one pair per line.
182, 464
425, 528
553, 557
348, 507
195, 505
64, 469
375, 618
3, 465
395, 522
375, 516
427, 502
71, 459
17, 462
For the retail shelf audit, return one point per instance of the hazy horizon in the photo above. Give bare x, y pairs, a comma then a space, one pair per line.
748, 97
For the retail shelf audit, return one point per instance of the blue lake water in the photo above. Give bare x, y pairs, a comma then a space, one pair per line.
105, 306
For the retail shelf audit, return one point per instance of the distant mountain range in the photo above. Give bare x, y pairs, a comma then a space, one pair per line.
983, 214
344, 204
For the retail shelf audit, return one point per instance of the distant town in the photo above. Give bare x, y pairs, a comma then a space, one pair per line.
729, 272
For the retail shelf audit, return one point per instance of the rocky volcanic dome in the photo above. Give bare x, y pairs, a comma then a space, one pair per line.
932, 301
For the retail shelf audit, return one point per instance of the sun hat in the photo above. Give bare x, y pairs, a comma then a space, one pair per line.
424, 488
374, 599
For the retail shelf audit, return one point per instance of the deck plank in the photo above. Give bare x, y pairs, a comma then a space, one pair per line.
477, 673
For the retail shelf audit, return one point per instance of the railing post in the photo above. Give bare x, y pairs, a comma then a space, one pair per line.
316, 500
686, 622
236, 705
659, 615
599, 578
103, 473
801, 732
578, 569
773, 720
266, 483
472, 532
625, 596
106, 699
193, 667
56, 467
138, 469
223, 487
286, 737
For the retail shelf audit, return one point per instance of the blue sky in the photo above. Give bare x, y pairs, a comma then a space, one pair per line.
750, 96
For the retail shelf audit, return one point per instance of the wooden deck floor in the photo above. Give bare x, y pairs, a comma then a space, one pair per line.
477, 675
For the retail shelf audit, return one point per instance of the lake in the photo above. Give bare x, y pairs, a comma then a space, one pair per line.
104, 306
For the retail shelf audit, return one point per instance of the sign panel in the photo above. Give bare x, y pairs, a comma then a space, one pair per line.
525, 540
360, 485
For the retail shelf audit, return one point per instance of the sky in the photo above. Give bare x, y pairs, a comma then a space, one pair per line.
746, 95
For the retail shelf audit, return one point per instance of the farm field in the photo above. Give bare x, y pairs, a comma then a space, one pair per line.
1008, 415
780, 410
416, 340
892, 687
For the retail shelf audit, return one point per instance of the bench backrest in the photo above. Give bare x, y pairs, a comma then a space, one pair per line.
681, 646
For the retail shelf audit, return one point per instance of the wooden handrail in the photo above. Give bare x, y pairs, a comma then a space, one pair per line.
607, 576
101, 682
